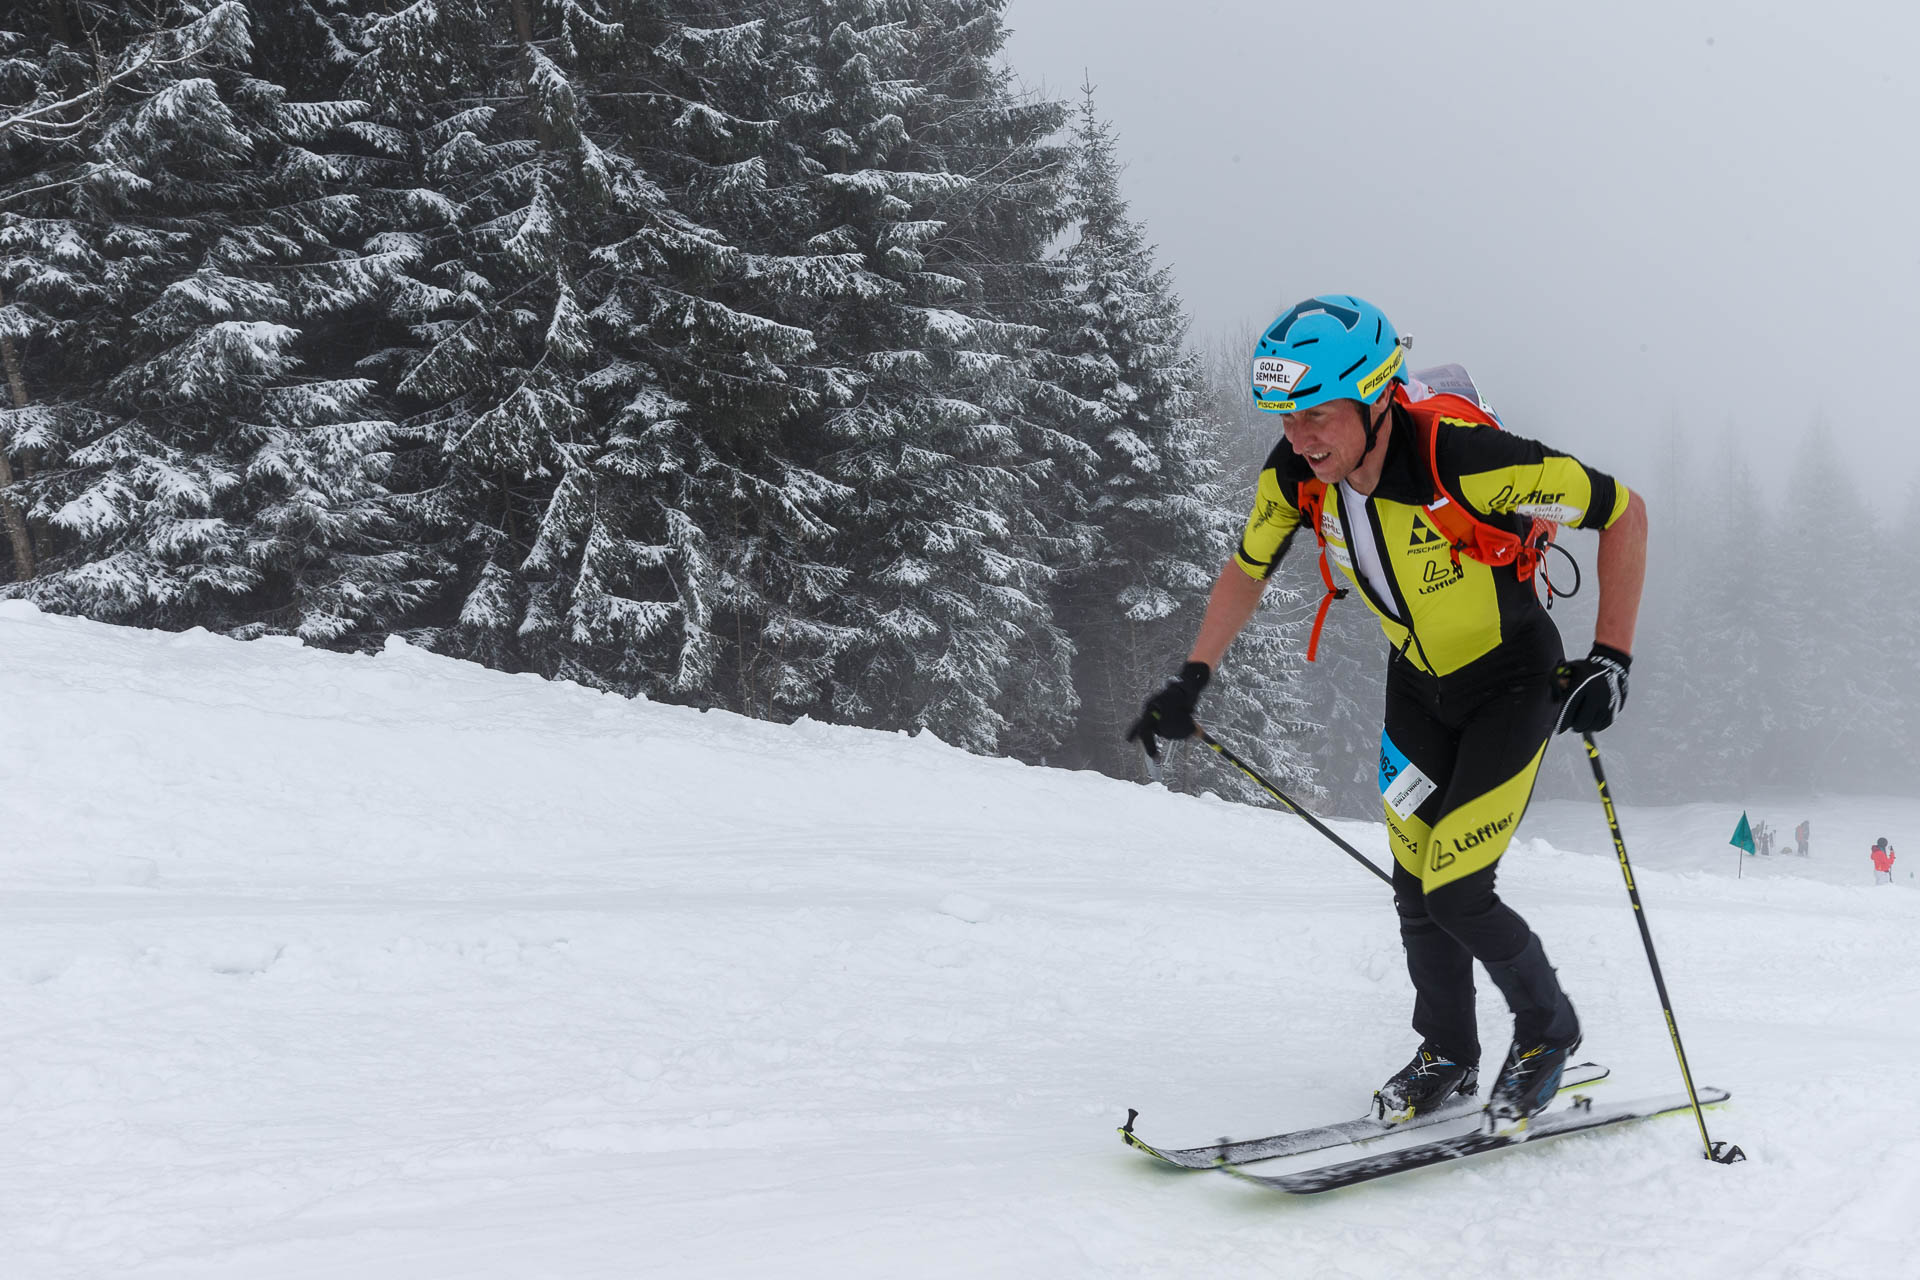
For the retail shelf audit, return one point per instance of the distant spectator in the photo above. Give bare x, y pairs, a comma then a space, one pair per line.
1763, 836
1800, 834
1882, 861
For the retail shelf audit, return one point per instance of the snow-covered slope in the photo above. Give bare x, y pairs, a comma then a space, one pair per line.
322, 966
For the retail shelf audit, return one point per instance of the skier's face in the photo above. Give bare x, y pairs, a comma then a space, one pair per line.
1332, 437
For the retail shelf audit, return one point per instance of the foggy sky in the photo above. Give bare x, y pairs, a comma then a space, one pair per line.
1626, 219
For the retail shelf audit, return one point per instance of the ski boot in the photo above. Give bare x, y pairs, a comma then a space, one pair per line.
1528, 1081
1423, 1084
1546, 1031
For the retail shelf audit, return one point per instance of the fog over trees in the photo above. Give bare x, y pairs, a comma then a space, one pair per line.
783, 359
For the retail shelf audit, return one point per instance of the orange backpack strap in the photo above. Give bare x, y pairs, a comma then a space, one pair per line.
1312, 499
1464, 531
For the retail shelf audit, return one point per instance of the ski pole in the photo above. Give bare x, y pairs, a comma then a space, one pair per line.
1274, 791
1719, 1152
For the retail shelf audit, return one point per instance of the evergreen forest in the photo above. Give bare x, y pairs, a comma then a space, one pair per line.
785, 358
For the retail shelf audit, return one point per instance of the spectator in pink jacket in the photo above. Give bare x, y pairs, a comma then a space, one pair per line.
1882, 861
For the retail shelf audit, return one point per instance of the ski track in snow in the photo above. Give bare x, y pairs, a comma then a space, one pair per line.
321, 966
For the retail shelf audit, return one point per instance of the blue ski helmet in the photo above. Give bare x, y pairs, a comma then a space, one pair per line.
1331, 347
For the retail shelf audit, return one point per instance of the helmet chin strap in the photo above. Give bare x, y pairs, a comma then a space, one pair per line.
1374, 424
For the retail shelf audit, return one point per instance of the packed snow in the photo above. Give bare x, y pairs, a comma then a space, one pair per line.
322, 966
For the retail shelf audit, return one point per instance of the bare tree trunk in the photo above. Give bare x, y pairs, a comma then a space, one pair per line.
523, 28
9, 511
57, 19
16, 525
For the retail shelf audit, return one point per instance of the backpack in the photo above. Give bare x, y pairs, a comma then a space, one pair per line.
1466, 533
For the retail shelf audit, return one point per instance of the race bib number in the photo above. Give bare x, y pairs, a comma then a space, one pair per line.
1402, 785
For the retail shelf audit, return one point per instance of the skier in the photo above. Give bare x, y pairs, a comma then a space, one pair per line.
1476, 681
1882, 861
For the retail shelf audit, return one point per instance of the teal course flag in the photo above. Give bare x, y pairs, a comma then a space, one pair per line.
1742, 834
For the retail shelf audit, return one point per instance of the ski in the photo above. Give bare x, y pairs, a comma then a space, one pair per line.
1301, 1141
1557, 1124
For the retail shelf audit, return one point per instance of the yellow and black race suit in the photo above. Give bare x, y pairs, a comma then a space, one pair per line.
1457, 627
1441, 615
1469, 705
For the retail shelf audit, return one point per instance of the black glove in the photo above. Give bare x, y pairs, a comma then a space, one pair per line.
1595, 688
1169, 713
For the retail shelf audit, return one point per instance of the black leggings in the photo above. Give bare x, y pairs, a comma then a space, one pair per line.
1458, 761
1444, 932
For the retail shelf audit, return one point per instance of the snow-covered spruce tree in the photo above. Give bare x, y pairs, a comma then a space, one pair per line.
605, 413
486, 368
1827, 648
924, 168
1900, 623
1341, 693
1648, 748
161, 261
1721, 685
55, 93
1136, 510
739, 446
1768, 672
1149, 513
1265, 702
